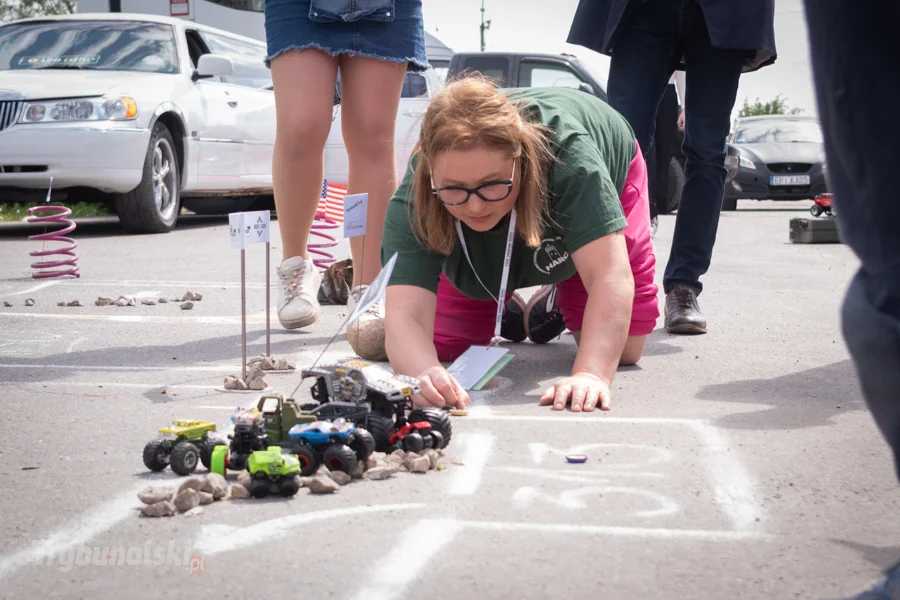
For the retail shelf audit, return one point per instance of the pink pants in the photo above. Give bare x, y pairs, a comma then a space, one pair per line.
461, 321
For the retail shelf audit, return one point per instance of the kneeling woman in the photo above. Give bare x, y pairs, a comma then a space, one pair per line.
513, 189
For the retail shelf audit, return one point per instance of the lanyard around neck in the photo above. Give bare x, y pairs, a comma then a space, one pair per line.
504, 278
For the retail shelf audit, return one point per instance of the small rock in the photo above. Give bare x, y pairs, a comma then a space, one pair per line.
374, 459
187, 500
433, 456
421, 464
153, 495
359, 470
121, 302
379, 473
160, 509
205, 498
400, 453
103, 301
191, 296
60, 303
195, 482
216, 485
194, 511
322, 470
163, 301
322, 485
234, 383
129, 301
263, 362
187, 305
393, 460
29, 302
239, 492
257, 383
74, 303
282, 364
147, 302
244, 478
254, 372
340, 477
7, 304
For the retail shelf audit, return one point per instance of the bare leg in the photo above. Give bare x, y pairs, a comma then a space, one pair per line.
634, 348
370, 91
304, 98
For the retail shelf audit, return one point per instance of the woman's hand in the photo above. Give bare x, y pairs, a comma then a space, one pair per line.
440, 388
584, 390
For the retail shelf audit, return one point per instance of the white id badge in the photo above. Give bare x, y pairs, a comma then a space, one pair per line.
475, 363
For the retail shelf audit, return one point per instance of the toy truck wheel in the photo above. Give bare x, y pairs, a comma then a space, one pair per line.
363, 444
185, 457
259, 487
289, 486
207, 450
155, 456
218, 459
439, 419
308, 461
381, 429
437, 440
339, 457
413, 442
815, 210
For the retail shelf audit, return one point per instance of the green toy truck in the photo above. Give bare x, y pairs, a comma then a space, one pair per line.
181, 445
273, 470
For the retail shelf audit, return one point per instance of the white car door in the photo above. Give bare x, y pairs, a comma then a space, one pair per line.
417, 93
251, 96
218, 131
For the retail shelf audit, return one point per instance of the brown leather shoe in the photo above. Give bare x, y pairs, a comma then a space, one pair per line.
683, 312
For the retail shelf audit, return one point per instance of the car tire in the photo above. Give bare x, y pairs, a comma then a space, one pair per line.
184, 459
218, 205
729, 203
153, 206
674, 186
155, 457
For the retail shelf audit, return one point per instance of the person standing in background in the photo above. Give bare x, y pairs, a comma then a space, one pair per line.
713, 42
373, 43
853, 50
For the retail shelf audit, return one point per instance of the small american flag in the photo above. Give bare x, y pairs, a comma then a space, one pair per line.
331, 203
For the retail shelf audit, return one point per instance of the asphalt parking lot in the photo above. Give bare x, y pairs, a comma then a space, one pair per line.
742, 463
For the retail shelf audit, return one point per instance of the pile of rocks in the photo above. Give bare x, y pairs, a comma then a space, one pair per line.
200, 490
270, 363
187, 301
255, 380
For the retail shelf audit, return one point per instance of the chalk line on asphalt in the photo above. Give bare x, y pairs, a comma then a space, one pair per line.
612, 530
209, 369
477, 447
35, 288
392, 575
215, 539
210, 320
188, 285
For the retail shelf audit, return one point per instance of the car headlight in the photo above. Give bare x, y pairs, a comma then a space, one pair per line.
121, 108
747, 163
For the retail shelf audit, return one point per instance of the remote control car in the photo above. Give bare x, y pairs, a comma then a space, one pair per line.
824, 204
278, 415
417, 436
249, 436
181, 446
387, 396
273, 470
338, 444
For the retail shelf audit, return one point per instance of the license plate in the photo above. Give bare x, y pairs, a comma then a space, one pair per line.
789, 180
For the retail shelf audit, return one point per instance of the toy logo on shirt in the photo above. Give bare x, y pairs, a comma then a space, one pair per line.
550, 255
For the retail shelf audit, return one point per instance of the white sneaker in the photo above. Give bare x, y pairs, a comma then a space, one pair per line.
366, 334
298, 303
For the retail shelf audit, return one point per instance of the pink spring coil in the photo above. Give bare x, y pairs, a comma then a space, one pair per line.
322, 222
61, 217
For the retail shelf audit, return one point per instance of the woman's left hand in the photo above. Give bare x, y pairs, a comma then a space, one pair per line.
585, 390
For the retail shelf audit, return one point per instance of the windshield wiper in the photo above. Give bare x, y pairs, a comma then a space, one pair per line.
78, 67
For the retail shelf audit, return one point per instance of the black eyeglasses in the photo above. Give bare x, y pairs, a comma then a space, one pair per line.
489, 191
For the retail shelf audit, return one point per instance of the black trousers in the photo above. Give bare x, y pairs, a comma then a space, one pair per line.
660, 152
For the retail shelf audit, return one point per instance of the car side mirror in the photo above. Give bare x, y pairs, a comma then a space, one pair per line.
211, 65
588, 88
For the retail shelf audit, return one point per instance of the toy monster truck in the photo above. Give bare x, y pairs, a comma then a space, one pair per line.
388, 397
249, 436
338, 444
824, 203
273, 470
181, 446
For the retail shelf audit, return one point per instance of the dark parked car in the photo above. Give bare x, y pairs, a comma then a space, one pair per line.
780, 157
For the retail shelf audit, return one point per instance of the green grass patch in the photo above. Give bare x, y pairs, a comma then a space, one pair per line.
18, 211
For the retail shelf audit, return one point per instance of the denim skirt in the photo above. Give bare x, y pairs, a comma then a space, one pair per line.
388, 30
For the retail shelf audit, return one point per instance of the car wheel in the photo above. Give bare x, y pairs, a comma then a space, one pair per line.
153, 206
184, 459
674, 185
729, 203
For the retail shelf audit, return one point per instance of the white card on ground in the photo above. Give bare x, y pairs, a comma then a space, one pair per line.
356, 207
474, 363
375, 292
256, 226
236, 230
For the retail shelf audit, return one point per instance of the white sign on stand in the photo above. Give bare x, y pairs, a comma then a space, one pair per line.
256, 226
236, 230
355, 209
